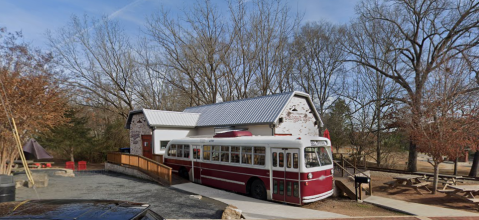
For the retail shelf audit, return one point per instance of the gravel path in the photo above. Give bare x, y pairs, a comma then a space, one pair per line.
167, 202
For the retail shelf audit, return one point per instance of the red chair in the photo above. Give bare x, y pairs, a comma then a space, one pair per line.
49, 165
81, 165
70, 165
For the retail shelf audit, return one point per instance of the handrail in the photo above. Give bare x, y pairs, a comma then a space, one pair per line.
355, 168
343, 168
154, 169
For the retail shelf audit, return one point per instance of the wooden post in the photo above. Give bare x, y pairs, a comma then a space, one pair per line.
370, 188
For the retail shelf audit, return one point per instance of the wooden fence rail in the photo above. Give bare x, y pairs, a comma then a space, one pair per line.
158, 171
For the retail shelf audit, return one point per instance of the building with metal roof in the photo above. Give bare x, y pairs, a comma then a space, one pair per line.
290, 113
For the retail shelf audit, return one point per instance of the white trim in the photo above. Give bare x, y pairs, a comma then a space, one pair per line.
221, 179
308, 199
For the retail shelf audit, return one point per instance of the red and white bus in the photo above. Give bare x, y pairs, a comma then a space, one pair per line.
289, 169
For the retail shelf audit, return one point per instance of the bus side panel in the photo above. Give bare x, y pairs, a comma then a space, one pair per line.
175, 164
233, 178
322, 182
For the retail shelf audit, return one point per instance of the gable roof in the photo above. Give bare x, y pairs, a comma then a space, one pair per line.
158, 118
258, 110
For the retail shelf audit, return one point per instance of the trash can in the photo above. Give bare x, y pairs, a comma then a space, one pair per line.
7, 188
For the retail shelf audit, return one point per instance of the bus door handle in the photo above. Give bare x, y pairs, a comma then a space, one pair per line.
267, 173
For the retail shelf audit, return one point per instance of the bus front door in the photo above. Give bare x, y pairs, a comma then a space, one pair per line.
285, 177
196, 164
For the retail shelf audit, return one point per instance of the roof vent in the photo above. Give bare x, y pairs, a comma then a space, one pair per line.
227, 134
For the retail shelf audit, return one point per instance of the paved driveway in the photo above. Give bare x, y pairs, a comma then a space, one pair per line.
167, 202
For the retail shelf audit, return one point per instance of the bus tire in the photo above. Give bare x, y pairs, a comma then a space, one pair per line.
258, 191
183, 173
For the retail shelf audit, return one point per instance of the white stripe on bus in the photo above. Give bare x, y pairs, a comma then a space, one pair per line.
224, 180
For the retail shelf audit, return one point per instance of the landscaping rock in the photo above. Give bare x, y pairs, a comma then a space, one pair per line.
65, 173
231, 212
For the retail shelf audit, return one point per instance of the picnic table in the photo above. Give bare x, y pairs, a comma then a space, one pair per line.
464, 192
409, 181
445, 179
31, 163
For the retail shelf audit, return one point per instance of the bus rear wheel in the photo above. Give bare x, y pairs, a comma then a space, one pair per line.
183, 173
258, 191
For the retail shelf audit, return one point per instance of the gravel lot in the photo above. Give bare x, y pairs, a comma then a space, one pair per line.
167, 202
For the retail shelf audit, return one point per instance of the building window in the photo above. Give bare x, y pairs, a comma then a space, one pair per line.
225, 154
259, 155
246, 152
235, 154
163, 144
206, 152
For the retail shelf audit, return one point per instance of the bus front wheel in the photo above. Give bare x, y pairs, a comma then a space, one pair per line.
258, 191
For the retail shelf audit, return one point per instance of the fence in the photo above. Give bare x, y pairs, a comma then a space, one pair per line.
158, 171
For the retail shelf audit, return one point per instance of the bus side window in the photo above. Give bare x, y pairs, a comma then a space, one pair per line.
295, 160
259, 155
215, 153
288, 160
235, 154
225, 153
275, 159
179, 150
206, 152
246, 158
281, 161
172, 150
186, 151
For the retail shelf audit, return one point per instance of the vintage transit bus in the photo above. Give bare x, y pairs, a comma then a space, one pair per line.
289, 169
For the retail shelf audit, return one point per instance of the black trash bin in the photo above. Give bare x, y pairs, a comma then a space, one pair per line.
7, 188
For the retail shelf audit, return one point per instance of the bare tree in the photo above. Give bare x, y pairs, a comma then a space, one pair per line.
100, 57
416, 38
193, 51
319, 68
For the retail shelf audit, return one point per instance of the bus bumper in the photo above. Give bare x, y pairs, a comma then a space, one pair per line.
314, 198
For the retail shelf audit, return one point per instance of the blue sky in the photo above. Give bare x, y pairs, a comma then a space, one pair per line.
34, 17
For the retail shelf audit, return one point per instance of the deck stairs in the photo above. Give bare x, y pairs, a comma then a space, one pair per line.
344, 181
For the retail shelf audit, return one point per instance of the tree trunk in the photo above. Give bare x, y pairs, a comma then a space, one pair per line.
71, 155
412, 160
455, 165
475, 165
436, 177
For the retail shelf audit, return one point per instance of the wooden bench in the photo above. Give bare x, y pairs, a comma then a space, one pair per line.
419, 185
390, 183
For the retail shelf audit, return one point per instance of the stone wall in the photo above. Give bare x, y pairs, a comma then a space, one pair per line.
298, 119
139, 126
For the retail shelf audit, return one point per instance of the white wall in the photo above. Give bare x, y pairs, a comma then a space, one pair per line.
298, 120
166, 134
260, 130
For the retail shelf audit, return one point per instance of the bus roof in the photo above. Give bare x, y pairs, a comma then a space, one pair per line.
249, 140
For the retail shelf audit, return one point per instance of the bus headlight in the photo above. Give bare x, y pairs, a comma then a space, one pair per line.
310, 175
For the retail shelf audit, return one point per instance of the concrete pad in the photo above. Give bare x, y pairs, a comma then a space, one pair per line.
416, 208
254, 208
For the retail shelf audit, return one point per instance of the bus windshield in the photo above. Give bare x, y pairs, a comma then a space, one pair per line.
316, 156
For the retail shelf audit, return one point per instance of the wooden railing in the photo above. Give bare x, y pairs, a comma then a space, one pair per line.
156, 170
